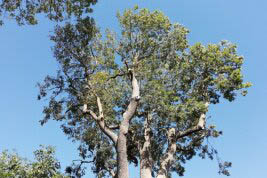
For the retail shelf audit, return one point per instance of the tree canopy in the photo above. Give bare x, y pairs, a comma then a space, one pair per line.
141, 95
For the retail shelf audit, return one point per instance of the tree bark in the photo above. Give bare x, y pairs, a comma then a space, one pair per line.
145, 151
122, 158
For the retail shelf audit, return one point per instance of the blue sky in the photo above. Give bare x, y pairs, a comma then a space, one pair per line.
26, 58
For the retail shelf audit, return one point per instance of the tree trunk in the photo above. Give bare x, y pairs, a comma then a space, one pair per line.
168, 157
123, 171
122, 157
145, 151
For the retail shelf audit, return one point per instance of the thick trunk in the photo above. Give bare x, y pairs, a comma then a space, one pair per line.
122, 159
123, 171
145, 152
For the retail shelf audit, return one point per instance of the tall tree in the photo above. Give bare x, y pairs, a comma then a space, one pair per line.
141, 95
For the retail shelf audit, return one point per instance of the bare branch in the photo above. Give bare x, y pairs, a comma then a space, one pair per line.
100, 120
117, 75
83, 161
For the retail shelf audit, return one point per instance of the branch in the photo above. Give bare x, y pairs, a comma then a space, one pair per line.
168, 158
128, 114
117, 75
82, 161
100, 120
114, 127
200, 126
100, 108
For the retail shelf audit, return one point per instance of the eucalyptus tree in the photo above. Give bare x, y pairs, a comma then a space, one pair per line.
27, 11
141, 95
44, 166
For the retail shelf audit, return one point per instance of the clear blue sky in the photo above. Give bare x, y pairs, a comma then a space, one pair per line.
26, 58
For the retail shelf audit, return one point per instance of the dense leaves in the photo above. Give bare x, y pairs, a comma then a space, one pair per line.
176, 80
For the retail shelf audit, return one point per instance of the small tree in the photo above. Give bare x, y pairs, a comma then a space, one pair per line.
143, 94
44, 166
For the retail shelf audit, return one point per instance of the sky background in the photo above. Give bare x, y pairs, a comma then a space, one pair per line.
26, 58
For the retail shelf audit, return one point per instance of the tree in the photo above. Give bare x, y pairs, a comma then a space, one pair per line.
45, 166
26, 11
141, 95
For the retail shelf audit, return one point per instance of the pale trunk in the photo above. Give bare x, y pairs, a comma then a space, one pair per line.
122, 159
145, 172
145, 152
168, 157
123, 171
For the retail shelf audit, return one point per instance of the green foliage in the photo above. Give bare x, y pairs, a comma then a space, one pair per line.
44, 166
176, 81
26, 11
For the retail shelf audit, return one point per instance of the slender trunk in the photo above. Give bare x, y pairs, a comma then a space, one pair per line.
168, 158
145, 151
